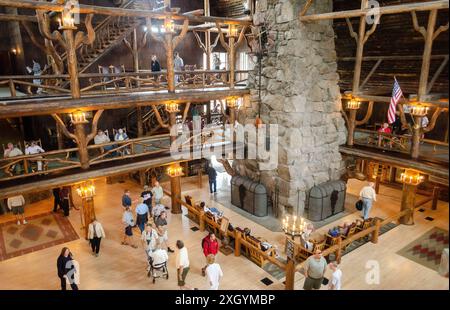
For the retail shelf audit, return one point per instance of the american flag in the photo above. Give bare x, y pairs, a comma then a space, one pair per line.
396, 95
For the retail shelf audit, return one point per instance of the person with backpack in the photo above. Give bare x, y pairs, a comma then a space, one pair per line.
210, 245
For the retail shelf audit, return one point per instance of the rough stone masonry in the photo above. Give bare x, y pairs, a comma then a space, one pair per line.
300, 94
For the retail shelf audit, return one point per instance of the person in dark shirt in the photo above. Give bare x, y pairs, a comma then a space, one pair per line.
63, 268
147, 195
155, 66
212, 175
126, 199
64, 196
56, 199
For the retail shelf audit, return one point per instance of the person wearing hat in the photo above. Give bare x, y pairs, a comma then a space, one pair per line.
147, 195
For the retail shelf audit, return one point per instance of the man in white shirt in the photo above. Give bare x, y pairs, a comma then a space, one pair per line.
368, 196
213, 272
335, 282
159, 256
158, 192
16, 205
32, 149
12, 151
182, 265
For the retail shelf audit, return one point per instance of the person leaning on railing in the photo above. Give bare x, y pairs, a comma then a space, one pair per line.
384, 129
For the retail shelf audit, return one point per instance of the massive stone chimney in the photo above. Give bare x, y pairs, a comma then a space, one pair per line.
299, 93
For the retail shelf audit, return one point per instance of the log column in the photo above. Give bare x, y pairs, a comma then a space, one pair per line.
416, 134
80, 133
175, 172
351, 126
16, 42
72, 63
411, 179
170, 63
408, 201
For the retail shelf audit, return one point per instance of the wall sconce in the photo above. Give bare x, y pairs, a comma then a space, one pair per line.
169, 26
232, 102
68, 22
175, 171
418, 110
232, 31
411, 177
78, 117
172, 107
86, 190
353, 104
14, 51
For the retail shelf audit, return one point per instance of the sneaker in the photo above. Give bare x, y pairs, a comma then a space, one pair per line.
170, 250
96, 254
18, 222
24, 222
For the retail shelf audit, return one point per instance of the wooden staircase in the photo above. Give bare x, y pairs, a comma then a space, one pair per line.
149, 121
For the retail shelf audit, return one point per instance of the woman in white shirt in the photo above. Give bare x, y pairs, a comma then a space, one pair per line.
213, 272
95, 235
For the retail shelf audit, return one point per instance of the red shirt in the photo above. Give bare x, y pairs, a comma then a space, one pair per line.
210, 246
385, 130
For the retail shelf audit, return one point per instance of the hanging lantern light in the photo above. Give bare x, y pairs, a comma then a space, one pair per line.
78, 117
172, 107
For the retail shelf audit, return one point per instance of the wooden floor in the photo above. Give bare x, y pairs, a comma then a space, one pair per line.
122, 267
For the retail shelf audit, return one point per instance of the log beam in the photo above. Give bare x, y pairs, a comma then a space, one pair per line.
386, 10
17, 18
112, 11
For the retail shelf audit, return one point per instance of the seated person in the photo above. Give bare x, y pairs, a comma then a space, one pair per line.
102, 138
384, 129
343, 230
215, 212
120, 135
334, 232
305, 242
159, 207
158, 256
32, 149
12, 151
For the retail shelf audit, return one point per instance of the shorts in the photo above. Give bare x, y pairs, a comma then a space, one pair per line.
183, 276
129, 231
311, 283
164, 237
18, 210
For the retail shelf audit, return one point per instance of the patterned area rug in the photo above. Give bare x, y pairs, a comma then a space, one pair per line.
41, 232
427, 249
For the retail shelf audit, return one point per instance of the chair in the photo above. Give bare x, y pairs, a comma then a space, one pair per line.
351, 231
303, 253
191, 215
115, 70
34, 164
256, 255
363, 225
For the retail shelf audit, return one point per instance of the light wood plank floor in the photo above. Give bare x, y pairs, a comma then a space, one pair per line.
121, 267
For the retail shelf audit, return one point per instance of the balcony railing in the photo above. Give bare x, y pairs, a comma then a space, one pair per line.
115, 83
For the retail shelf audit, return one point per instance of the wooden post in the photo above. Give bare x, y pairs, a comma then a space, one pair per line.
416, 134
351, 126
12, 88
377, 184
15, 38
82, 145
237, 243
290, 275
206, 8
59, 136
425, 70
232, 118
200, 183
338, 253
140, 125
172, 122
201, 220
175, 190
135, 52
170, 62
376, 232
88, 214
408, 201
72, 63
231, 61
435, 198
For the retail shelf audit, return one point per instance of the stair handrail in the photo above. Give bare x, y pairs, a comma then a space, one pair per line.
98, 27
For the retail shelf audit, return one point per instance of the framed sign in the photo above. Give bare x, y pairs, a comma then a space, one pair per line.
290, 248
224, 224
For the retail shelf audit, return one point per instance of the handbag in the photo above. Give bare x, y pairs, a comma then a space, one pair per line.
325, 281
359, 205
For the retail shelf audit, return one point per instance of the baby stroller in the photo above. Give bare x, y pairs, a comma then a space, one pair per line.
157, 270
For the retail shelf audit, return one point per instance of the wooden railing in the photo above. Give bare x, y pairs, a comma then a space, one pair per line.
116, 83
337, 249
233, 234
